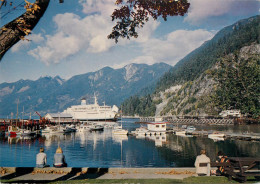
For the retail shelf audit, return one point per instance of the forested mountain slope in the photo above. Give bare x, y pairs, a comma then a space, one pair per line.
193, 86
226, 41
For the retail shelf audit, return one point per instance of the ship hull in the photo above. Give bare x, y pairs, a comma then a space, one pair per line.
95, 119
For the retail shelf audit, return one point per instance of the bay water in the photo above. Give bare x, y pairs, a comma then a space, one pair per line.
103, 149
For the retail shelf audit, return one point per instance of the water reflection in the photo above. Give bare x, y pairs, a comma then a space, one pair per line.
103, 149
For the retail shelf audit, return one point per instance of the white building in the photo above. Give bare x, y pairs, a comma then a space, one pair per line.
59, 117
231, 113
157, 127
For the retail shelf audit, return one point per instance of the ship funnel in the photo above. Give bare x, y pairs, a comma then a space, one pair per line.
83, 101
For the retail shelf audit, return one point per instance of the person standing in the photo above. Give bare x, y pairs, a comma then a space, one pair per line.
59, 158
41, 159
202, 158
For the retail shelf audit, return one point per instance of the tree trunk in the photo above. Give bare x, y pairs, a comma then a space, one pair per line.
15, 30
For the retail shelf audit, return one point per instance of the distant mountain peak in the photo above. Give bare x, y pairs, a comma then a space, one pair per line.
59, 79
130, 71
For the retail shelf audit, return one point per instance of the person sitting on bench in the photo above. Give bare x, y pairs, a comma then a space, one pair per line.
59, 158
202, 158
221, 158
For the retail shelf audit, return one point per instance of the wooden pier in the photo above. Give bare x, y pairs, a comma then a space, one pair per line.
192, 120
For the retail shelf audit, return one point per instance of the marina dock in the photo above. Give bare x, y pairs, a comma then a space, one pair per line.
227, 135
204, 133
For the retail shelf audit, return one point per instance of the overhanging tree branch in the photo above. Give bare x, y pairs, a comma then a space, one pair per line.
15, 30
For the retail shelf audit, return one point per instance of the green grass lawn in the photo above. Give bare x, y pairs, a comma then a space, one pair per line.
211, 179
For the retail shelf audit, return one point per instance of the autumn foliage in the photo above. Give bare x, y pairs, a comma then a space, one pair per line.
133, 14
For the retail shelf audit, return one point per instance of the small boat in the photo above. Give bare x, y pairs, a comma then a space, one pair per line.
58, 129
184, 126
67, 130
97, 128
118, 130
190, 129
72, 128
25, 132
12, 130
46, 130
180, 132
140, 131
216, 135
216, 139
53, 129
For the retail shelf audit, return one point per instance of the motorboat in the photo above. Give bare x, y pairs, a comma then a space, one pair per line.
67, 130
96, 128
72, 128
141, 131
180, 132
12, 130
47, 129
25, 132
190, 129
118, 130
184, 126
216, 135
53, 129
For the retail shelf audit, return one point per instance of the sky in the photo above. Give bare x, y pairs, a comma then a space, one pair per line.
71, 38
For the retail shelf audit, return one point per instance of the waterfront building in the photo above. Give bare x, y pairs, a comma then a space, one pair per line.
59, 117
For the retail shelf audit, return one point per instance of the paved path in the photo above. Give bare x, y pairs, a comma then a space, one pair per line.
30, 174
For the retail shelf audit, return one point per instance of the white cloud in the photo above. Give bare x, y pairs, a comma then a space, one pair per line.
173, 47
145, 32
103, 7
56, 48
34, 38
74, 33
200, 10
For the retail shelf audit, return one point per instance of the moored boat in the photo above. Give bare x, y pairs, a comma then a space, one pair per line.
97, 128
118, 130
12, 130
190, 129
140, 131
180, 132
92, 112
216, 135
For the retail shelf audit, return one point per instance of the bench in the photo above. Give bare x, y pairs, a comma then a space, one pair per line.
216, 164
238, 167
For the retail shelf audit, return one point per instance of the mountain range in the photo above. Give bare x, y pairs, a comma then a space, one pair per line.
54, 94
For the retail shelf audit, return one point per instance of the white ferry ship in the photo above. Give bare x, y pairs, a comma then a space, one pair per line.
92, 112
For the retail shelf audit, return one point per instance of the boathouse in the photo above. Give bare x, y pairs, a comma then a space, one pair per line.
59, 117
157, 126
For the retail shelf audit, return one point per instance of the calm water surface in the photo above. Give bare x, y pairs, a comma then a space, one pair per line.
102, 149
